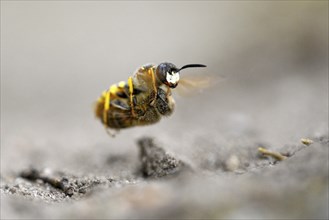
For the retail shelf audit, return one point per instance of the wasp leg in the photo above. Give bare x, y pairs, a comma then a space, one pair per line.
131, 90
151, 72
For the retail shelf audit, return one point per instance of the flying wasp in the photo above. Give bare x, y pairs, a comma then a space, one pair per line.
143, 99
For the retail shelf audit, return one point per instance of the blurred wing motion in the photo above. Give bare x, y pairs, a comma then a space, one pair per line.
189, 85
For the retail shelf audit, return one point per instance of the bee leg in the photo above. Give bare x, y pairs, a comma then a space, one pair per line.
131, 90
154, 86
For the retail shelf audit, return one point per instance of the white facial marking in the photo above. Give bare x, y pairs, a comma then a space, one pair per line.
172, 78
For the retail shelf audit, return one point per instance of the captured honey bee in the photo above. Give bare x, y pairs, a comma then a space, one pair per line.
143, 99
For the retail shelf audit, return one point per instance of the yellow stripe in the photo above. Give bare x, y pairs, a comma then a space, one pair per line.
106, 106
110, 92
131, 90
107, 101
121, 84
130, 84
113, 89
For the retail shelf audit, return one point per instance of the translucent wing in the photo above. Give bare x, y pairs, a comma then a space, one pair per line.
189, 85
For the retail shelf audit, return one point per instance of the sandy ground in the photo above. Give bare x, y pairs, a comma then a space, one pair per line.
271, 63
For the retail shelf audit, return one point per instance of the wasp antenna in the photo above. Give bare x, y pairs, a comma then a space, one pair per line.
192, 65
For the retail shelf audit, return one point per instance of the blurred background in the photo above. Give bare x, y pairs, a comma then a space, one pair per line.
57, 57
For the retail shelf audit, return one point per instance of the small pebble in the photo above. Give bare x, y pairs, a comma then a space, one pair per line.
232, 163
306, 141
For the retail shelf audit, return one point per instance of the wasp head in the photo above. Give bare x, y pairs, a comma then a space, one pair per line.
168, 73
